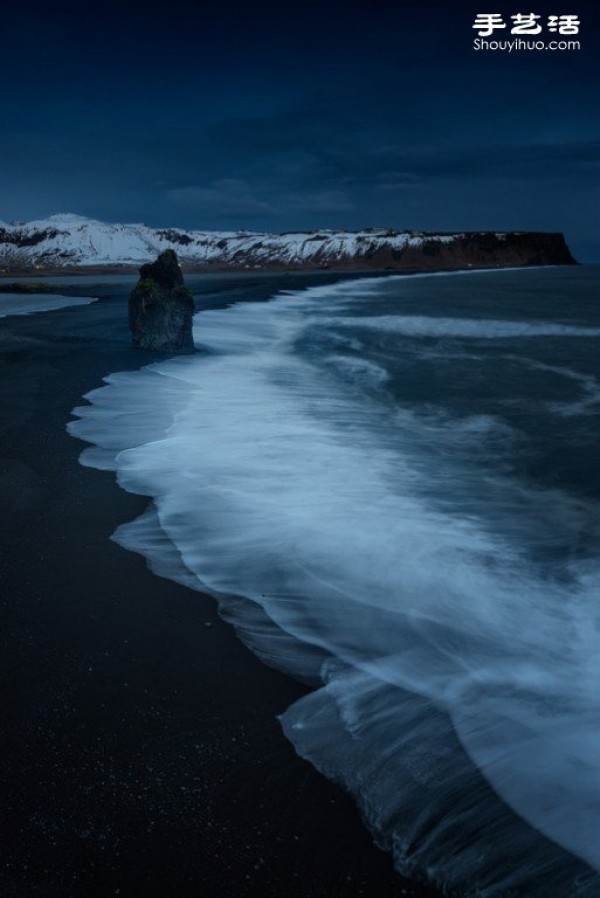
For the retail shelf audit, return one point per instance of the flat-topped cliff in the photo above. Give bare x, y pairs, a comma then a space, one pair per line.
70, 241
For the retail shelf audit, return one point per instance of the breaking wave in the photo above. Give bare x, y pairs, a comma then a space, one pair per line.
350, 542
21, 304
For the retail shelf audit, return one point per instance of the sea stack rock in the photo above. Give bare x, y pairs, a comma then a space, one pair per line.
161, 308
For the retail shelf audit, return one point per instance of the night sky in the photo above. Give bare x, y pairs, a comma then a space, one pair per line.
299, 115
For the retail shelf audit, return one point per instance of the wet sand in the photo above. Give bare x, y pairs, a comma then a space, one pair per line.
141, 752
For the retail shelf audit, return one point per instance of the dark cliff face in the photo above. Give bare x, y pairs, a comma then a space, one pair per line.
488, 250
484, 249
21, 239
161, 308
82, 242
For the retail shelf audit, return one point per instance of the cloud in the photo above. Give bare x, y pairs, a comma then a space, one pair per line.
320, 201
228, 197
390, 181
403, 165
236, 198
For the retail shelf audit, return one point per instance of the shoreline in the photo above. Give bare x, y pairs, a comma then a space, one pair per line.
272, 270
143, 751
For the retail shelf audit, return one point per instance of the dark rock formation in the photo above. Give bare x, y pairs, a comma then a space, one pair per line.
161, 308
485, 250
28, 287
22, 239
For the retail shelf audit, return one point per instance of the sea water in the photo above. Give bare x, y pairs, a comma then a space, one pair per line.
391, 485
24, 304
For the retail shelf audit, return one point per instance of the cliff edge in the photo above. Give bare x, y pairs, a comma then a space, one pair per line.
71, 242
487, 250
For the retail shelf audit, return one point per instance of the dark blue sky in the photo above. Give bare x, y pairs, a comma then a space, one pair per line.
299, 115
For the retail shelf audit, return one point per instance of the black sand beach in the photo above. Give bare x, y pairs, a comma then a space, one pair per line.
141, 752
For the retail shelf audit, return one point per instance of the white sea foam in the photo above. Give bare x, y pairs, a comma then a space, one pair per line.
588, 402
360, 371
480, 328
422, 625
23, 304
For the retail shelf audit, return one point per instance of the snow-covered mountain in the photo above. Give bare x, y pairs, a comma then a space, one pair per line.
66, 241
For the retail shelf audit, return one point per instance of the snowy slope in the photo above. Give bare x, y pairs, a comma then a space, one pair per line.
67, 239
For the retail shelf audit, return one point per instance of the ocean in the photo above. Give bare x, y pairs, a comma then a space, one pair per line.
390, 485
